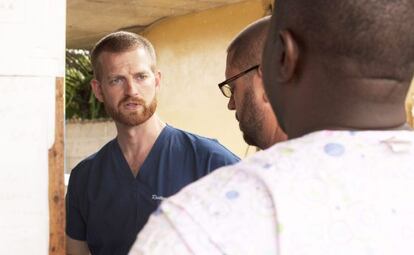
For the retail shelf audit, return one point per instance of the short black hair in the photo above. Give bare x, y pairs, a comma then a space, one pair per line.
378, 35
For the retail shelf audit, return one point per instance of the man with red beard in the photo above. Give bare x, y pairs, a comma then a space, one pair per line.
112, 193
245, 90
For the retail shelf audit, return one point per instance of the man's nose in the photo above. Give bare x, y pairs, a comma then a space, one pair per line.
132, 88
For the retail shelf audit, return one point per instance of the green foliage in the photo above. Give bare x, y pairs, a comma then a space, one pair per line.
80, 101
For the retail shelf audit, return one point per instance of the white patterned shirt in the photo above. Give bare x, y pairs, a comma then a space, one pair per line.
329, 192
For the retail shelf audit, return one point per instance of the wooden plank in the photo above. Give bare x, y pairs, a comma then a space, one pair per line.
56, 179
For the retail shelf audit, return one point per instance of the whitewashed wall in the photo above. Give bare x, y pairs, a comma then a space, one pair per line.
85, 138
32, 52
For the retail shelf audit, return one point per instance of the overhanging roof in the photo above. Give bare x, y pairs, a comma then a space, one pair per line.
89, 20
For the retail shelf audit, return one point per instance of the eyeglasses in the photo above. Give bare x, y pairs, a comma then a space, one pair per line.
225, 86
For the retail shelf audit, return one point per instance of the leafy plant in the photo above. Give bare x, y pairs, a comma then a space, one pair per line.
80, 101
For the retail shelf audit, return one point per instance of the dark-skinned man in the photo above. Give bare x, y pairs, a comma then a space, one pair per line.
336, 73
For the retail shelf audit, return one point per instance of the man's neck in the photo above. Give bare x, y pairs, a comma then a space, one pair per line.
136, 142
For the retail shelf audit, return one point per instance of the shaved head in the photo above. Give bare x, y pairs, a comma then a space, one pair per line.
253, 111
341, 64
247, 47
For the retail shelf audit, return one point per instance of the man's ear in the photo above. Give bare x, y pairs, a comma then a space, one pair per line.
97, 90
157, 80
288, 56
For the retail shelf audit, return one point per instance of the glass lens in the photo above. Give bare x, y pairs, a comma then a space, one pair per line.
226, 90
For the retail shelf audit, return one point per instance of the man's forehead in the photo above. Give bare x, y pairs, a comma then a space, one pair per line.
231, 70
233, 64
113, 54
117, 68
118, 57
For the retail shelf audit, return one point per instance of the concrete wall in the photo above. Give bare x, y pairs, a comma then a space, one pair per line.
85, 138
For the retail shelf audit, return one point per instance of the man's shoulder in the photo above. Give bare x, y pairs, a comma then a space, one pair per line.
192, 136
206, 188
87, 164
331, 152
213, 202
203, 144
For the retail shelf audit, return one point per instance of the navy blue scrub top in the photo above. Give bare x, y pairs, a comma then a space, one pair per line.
107, 206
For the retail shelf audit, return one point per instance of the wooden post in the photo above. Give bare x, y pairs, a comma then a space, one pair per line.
56, 179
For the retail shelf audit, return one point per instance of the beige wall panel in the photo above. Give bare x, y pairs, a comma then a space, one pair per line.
410, 105
191, 56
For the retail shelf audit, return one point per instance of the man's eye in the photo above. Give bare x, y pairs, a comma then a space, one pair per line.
141, 76
115, 81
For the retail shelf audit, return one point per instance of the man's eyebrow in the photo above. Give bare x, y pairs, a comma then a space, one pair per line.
111, 76
142, 72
